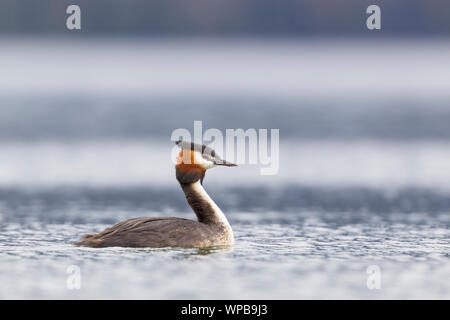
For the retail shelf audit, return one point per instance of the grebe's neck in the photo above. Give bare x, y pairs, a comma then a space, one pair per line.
204, 207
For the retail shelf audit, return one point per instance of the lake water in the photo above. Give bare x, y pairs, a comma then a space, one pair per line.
364, 176
313, 243
292, 240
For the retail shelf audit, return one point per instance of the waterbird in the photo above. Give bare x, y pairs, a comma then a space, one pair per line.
211, 228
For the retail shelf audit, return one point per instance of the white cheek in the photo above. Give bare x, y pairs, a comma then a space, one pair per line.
205, 164
209, 164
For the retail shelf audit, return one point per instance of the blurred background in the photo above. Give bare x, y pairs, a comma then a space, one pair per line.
140, 69
364, 116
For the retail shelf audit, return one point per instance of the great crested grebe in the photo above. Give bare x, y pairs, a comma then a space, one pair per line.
211, 229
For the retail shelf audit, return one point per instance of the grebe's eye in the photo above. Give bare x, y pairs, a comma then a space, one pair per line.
207, 157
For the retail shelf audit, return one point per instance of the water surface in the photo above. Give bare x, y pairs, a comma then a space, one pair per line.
364, 174
318, 245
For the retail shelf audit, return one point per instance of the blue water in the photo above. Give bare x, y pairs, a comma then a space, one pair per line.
364, 176
310, 243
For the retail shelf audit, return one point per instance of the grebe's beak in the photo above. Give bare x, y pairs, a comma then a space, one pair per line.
225, 163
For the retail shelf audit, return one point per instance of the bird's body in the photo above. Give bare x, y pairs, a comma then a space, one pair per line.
159, 233
211, 229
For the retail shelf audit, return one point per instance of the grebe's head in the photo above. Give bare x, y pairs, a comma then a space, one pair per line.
193, 161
